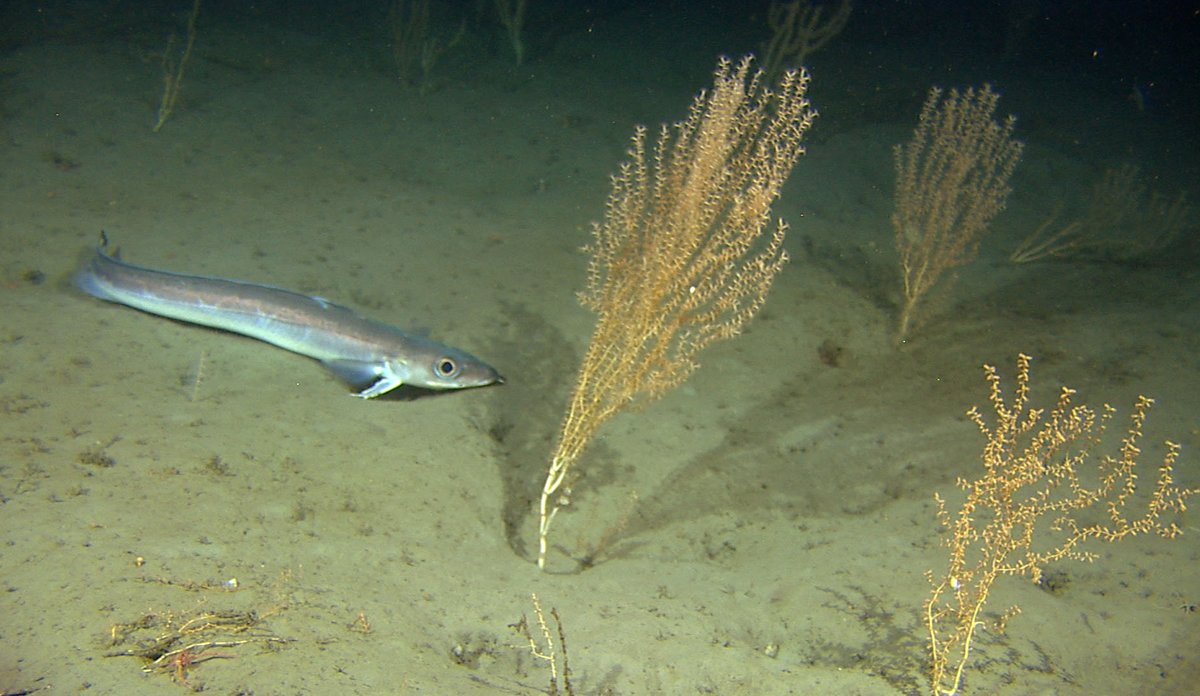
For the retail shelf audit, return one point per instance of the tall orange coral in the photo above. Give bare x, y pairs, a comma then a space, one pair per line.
685, 255
1028, 509
951, 180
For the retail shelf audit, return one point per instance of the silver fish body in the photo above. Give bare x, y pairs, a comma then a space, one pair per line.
365, 353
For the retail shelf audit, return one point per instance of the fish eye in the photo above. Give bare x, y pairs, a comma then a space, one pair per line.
446, 367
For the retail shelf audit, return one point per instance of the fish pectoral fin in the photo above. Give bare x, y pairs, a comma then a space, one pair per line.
373, 378
356, 373
385, 384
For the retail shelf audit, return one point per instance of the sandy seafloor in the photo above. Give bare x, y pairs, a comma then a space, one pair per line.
764, 529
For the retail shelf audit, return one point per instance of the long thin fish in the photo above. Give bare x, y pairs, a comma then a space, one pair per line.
367, 354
